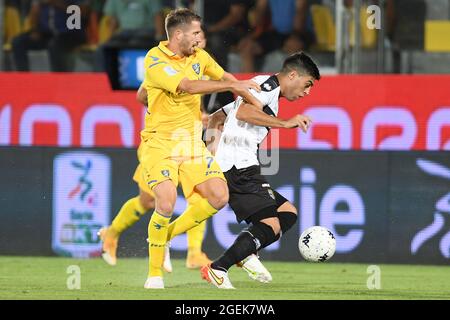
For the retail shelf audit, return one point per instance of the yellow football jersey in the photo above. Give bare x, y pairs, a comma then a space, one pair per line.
175, 115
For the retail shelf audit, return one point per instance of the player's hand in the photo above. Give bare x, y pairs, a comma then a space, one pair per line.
304, 122
241, 87
250, 84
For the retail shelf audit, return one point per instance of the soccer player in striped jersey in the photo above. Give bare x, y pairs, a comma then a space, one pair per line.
252, 199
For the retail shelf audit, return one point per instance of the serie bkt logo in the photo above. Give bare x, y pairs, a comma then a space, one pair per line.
81, 200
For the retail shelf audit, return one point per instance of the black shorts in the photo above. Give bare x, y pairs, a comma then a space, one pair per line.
251, 194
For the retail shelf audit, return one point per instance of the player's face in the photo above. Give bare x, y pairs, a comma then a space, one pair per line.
298, 86
191, 38
202, 42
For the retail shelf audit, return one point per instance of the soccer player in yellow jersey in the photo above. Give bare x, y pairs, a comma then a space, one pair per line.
171, 149
133, 209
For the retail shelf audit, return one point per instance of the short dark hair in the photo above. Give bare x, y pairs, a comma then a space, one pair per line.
178, 17
302, 63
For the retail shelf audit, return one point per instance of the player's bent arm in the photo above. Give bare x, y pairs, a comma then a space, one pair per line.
204, 86
210, 86
248, 113
141, 95
252, 115
240, 88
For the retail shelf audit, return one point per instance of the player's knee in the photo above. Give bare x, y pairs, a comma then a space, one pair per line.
287, 207
164, 207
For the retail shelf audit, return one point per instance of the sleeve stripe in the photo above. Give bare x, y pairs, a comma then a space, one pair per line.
223, 110
154, 64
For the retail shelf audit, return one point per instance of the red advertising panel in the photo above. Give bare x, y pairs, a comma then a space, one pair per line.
369, 112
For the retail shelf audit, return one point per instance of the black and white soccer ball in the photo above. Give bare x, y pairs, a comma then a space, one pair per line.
317, 244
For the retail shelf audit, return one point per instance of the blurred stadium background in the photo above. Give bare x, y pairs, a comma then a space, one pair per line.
374, 167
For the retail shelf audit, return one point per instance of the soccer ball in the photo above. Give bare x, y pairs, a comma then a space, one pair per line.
317, 244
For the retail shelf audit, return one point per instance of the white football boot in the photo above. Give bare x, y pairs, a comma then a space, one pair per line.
154, 283
255, 269
218, 278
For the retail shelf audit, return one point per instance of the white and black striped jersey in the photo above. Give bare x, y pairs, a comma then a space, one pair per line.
238, 145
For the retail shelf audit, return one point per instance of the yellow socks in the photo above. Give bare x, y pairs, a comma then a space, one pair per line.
193, 215
129, 214
157, 235
195, 238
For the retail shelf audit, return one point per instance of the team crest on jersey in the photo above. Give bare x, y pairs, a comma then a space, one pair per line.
196, 67
165, 173
267, 86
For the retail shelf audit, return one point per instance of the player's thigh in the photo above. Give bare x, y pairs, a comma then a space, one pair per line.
160, 176
157, 169
249, 192
267, 214
194, 172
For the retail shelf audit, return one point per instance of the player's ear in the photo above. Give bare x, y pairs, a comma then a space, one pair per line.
178, 34
292, 74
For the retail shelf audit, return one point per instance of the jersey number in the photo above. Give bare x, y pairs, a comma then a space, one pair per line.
210, 160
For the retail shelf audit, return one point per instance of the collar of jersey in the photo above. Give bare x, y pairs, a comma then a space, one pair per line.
163, 47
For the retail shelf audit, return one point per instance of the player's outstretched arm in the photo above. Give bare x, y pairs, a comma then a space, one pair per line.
229, 77
252, 115
240, 88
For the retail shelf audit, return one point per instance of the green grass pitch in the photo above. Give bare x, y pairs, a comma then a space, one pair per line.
47, 277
